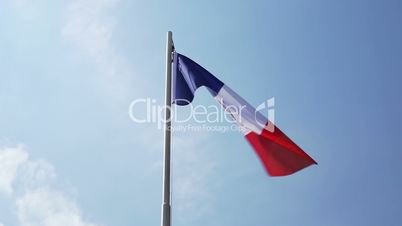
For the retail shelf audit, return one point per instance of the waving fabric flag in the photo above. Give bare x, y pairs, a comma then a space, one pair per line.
279, 155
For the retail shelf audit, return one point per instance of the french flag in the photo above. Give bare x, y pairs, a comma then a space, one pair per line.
279, 155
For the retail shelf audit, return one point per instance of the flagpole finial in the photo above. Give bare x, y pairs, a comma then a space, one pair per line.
170, 33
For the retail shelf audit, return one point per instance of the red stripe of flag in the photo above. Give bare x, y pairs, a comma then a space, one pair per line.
279, 155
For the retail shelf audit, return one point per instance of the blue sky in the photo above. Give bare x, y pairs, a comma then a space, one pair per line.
70, 155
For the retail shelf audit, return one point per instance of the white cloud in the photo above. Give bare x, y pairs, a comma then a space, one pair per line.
46, 207
29, 182
35, 173
89, 26
11, 158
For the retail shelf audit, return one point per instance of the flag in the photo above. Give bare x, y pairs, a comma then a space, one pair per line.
279, 154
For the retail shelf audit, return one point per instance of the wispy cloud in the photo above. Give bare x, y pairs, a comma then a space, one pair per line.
191, 177
47, 207
10, 160
89, 26
29, 183
19, 3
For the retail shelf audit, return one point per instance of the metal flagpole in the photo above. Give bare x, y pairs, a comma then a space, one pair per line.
166, 208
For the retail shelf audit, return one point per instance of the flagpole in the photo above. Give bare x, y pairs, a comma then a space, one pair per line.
166, 208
